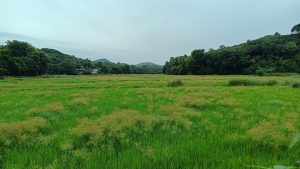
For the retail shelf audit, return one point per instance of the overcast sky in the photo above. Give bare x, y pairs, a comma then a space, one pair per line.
134, 31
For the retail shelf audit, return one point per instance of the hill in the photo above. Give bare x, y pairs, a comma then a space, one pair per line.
148, 64
270, 54
60, 63
150, 68
103, 60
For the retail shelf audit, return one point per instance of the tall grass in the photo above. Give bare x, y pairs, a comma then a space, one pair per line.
136, 121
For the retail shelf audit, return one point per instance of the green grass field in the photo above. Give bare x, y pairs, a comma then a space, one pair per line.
138, 121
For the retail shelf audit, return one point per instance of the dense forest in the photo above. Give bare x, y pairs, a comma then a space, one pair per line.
22, 59
270, 54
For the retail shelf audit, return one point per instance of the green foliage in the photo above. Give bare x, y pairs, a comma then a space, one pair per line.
296, 85
175, 83
3, 71
108, 67
22, 59
296, 29
270, 82
60, 63
270, 54
292, 83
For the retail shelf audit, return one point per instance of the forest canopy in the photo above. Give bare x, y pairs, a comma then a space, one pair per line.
270, 54
22, 59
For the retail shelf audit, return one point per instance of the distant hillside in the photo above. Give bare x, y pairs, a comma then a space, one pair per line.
103, 60
150, 67
269, 54
60, 63
148, 64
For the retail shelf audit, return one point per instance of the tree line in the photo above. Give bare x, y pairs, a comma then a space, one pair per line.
270, 54
22, 59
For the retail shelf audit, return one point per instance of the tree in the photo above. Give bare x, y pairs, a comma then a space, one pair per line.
22, 59
269, 54
290, 48
296, 29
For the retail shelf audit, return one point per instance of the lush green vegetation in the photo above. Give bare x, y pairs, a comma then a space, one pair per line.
108, 67
270, 54
60, 63
139, 121
22, 59
296, 29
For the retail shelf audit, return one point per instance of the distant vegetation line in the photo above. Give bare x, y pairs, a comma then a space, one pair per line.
22, 59
270, 54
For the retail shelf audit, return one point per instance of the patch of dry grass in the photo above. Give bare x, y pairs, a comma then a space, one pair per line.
289, 124
27, 131
227, 102
177, 109
123, 127
113, 127
194, 101
94, 109
267, 132
80, 101
275, 130
90, 94
153, 93
55, 107
44, 93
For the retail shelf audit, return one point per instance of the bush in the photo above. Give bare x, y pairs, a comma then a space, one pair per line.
175, 83
271, 82
292, 83
87, 72
248, 82
3, 72
243, 82
296, 85
260, 72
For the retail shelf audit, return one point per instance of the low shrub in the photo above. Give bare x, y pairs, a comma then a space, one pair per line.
270, 82
296, 85
175, 83
243, 82
3, 72
292, 83
260, 72
248, 82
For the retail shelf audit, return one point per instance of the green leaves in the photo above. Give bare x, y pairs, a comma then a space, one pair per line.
295, 140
